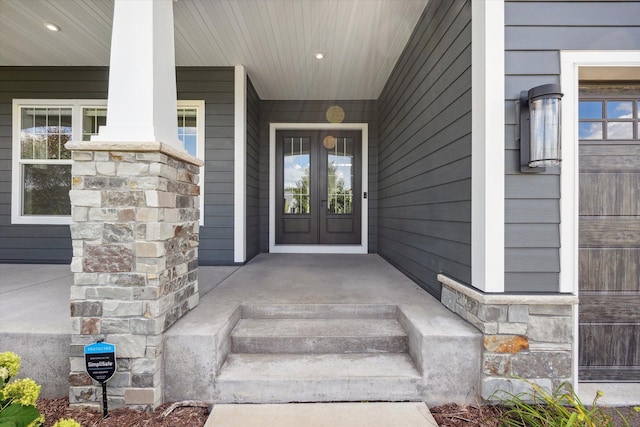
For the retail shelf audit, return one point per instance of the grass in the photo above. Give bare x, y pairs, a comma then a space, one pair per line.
560, 408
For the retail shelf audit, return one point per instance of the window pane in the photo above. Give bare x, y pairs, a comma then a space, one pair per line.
43, 133
188, 130
339, 174
92, 119
46, 190
620, 109
620, 130
296, 176
590, 110
590, 130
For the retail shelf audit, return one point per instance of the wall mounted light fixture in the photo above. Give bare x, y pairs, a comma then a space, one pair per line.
539, 128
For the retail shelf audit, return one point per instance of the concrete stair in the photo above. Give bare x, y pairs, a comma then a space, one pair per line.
318, 353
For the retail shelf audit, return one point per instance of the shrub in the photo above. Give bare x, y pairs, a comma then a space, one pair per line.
18, 397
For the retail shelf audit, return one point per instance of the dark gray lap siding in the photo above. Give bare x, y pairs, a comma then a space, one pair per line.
253, 171
535, 32
52, 244
424, 216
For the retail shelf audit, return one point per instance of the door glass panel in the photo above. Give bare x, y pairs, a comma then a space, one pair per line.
296, 176
340, 160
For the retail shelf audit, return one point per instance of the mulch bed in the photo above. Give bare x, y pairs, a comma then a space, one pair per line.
54, 409
449, 415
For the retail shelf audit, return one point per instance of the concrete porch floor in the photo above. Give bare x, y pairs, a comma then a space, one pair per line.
34, 315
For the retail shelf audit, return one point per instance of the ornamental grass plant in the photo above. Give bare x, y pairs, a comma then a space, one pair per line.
560, 408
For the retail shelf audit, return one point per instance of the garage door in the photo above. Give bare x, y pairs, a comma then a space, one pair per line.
609, 330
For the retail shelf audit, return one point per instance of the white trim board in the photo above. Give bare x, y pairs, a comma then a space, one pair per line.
487, 145
362, 248
240, 166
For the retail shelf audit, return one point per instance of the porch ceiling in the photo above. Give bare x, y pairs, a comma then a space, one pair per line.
274, 39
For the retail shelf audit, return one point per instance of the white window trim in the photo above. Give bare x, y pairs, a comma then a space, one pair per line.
76, 106
363, 247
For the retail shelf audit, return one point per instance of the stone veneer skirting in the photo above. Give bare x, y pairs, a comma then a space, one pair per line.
135, 224
525, 336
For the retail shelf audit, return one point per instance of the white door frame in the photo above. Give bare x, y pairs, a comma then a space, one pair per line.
570, 64
362, 248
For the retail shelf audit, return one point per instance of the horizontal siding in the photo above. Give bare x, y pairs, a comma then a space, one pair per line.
52, 244
253, 171
424, 216
535, 32
315, 112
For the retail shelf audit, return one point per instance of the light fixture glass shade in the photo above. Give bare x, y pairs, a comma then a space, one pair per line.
544, 126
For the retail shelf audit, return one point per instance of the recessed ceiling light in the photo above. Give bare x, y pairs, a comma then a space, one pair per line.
52, 27
319, 55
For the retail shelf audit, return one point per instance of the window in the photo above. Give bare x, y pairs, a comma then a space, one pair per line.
41, 176
608, 119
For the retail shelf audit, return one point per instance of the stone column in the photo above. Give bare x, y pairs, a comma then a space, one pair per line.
135, 256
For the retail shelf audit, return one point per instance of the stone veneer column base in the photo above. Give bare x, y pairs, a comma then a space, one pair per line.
135, 262
527, 337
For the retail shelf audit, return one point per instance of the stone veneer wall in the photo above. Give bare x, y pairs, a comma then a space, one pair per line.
525, 336
135, 258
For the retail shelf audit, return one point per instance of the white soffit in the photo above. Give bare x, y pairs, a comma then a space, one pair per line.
274, 39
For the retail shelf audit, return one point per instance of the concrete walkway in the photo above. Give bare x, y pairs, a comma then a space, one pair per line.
378, 414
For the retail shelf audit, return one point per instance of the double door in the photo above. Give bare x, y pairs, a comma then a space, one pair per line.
318, 188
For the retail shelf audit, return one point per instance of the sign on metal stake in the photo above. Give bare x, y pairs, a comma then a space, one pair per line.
100, 360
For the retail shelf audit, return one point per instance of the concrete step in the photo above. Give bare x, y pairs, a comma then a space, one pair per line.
319, 311
282, 378
318, 336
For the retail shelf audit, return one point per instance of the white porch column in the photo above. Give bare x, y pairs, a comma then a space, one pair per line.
487, 158
142, 77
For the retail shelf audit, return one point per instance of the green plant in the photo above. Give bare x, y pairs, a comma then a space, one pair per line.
67, 422
561, 408
18, 397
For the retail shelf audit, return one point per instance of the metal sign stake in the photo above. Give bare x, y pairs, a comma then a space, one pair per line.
100, 360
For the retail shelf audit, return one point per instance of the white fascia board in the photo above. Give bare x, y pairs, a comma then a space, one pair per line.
570, 64
240, 166
487, 153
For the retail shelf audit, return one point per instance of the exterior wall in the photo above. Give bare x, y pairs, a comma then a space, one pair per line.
215, 85
37, 243
52, 243
315, 112
424, 216
535, 32
253, 171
